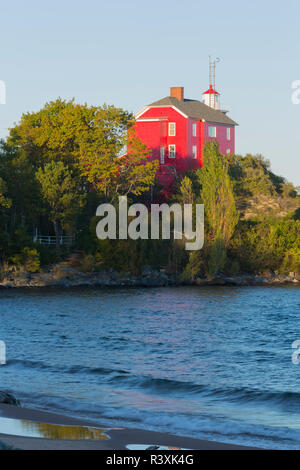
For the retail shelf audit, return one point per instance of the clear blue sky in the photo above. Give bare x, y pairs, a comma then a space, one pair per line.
129, 52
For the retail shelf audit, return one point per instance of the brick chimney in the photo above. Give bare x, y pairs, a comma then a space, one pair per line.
177, 92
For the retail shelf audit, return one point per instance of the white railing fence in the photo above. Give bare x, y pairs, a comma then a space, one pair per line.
51, 240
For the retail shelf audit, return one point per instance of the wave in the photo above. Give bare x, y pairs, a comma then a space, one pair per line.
211, 427
75, 369
164, 386
184, 424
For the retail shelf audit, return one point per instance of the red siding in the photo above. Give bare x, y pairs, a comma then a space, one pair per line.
221, 137
152, 128
155, 134
194, 140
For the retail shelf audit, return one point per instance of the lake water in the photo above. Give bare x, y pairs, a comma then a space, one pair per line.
210, 362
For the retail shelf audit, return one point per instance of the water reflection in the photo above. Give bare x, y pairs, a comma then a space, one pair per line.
24, 428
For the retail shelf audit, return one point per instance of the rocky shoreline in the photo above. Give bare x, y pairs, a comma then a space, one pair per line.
63, 276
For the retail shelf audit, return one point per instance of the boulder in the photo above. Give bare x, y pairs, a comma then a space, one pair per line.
146, 270
5, 447
268, 274
8, 399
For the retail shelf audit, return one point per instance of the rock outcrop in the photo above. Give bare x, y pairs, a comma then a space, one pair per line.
67, 276
64, 276
8, 399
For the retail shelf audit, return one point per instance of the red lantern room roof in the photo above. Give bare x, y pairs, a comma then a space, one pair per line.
211, 91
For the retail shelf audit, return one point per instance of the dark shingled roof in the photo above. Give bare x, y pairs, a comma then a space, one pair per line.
196, 110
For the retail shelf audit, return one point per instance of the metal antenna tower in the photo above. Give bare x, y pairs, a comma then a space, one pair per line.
212, 81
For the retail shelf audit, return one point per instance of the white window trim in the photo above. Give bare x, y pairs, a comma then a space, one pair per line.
228, 151
140, 113
194, 130
215, 131
228, 133
195, 156
174, 147
170, 125
151, 119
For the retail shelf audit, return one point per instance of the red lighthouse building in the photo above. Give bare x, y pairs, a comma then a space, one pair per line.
176, 130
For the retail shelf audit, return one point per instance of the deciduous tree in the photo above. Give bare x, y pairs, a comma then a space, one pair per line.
61, 191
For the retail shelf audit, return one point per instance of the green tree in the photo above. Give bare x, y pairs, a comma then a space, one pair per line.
186, 191
113, 175
5, 202
217, 194
218, 257
61, 192
91, 138
252, 176
63, 130
219, 204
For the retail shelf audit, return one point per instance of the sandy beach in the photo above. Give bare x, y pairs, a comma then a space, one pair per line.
117, 438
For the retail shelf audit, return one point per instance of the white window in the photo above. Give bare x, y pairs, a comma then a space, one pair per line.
194, 129
172, 129
162, 155
195, 151
172, 151
212, 131
228, 151
228, 133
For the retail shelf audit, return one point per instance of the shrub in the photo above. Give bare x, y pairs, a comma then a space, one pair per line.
218, 257
29, 259
87, 264
291, 261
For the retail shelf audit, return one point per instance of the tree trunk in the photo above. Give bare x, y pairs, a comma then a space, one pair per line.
56, 231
